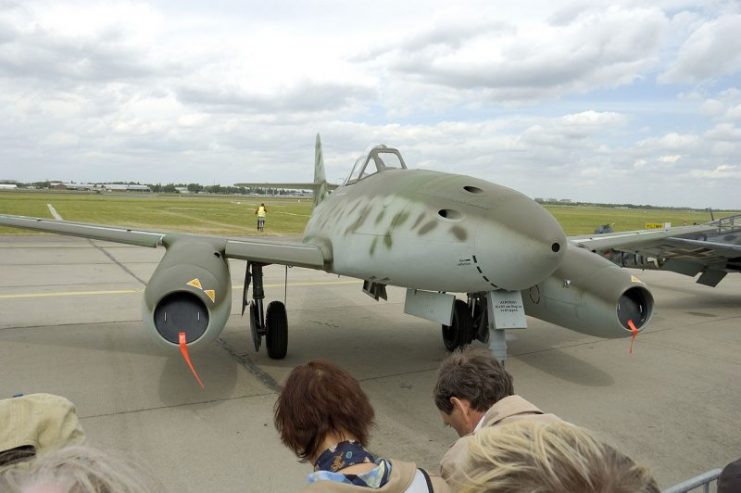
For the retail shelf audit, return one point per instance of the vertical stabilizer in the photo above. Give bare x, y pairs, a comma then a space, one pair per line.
321, 190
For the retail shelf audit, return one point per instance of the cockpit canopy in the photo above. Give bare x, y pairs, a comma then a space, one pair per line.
378, 159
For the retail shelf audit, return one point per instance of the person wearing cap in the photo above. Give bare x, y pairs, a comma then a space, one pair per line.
35, 424
729, 480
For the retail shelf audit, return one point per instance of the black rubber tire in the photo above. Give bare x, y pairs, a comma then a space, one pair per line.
460, 332
276, 338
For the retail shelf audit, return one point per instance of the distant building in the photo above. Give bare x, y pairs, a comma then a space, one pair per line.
125, 187
8, 186
78, 186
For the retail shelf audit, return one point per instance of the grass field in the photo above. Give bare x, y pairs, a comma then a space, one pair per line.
235, 215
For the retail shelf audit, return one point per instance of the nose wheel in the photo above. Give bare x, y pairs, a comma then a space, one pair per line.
273, 324
460, 332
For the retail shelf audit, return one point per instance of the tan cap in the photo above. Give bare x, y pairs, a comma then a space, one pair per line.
45, 422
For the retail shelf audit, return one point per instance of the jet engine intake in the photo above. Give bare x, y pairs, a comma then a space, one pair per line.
190, 292
590, 294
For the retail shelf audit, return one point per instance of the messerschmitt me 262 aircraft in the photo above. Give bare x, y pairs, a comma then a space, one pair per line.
432, 233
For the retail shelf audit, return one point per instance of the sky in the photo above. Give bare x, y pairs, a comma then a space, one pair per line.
610, 102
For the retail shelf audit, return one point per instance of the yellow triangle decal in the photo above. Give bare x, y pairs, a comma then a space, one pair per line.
196, 283
634, 279
211, 294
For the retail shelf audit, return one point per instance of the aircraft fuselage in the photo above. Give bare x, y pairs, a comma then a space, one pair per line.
436, 231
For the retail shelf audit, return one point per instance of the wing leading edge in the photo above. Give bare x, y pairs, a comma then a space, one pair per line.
284, 252
628, 239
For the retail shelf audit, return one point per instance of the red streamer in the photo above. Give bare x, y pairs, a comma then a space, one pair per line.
634, 331
184, 351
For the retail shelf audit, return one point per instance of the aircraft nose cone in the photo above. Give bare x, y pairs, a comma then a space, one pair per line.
524, 245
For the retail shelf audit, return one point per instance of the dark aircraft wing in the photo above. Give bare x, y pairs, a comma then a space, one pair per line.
268, 251
712, 250
627, 240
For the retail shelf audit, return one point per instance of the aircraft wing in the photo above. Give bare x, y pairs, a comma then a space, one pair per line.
268, 251
707, 249
627, 240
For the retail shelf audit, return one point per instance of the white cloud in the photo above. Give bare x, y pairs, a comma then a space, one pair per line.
534, 60
724, 132
671, 142
722, 172
713, 50
540, 96
669, 159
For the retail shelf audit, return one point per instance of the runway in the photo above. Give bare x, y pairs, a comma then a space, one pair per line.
71, 325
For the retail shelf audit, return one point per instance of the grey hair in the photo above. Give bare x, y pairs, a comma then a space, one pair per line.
81, 469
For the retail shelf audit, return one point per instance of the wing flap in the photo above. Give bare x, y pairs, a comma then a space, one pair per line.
726, 250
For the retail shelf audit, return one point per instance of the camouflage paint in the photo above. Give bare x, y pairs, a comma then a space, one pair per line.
368, 225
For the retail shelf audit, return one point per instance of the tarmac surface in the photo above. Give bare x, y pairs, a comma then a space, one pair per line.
70, 324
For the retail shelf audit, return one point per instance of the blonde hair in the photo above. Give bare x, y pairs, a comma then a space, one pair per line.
536, 457
80, 469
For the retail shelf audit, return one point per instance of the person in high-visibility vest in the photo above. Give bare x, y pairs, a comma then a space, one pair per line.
261, 213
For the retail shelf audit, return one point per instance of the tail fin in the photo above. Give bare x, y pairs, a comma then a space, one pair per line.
321, 189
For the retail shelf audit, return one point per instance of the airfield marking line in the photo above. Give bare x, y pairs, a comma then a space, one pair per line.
134, 291
67, 293
54, 212
304, 283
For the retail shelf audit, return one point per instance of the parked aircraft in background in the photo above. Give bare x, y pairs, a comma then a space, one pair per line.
430, 232
712, 253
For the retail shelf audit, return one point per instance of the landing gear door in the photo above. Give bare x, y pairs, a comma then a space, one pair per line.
437, 307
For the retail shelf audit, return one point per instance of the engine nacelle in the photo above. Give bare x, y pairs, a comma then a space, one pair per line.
190, 291
590, 294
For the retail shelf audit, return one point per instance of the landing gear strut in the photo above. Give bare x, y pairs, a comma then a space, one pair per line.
274, 324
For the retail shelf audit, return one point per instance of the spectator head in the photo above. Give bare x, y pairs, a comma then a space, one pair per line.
527, 456
79, 469
35, 424
469, 382
729, 480
319, 399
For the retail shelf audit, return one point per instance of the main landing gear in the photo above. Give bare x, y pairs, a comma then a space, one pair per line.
273, 324
470, 321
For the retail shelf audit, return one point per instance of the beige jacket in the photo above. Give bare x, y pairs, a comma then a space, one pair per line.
505, 410
404, 479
